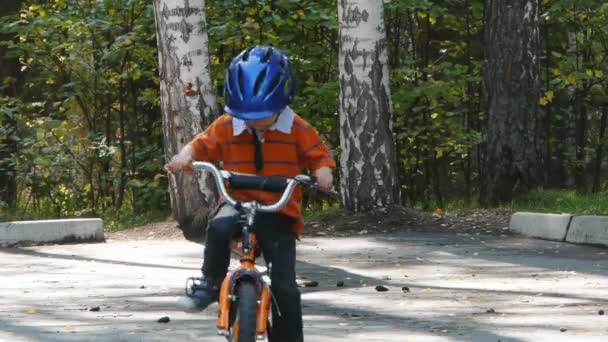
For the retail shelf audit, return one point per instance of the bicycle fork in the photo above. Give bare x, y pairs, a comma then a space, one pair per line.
227, 295
227, 298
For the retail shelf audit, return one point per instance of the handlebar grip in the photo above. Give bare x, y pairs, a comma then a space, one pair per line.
271, 184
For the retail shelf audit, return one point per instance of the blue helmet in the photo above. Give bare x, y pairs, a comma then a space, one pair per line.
259, 83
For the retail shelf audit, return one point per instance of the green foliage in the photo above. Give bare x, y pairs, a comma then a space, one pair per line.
575, 79
128, 219
436, 70
306, 30
319, 213
85, 65
562, 201
436, 100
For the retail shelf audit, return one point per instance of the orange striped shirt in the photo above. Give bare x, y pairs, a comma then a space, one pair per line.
284, 155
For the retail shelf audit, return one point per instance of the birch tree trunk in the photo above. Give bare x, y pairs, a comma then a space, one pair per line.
368, 161
512, 140
187, 101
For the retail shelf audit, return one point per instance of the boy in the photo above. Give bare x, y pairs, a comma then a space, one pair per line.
259, 135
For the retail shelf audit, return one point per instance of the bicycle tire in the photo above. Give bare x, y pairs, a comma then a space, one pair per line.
246, 315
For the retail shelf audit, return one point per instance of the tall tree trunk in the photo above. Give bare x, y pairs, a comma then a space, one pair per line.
511, 141
423, 43
571, 121
187, 102
8, 146
548, 115
584, 159
599, 151
368, 162
581, 141
122, 179
469, 95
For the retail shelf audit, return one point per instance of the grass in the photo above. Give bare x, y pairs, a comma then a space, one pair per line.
562, 201
541, 201
113, 223
325, 211
454, 204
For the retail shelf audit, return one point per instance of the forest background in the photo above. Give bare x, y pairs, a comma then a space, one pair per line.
81, 131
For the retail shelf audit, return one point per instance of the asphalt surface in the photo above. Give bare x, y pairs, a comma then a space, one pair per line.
440, 287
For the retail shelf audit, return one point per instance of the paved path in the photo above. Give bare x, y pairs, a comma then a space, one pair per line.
461, 288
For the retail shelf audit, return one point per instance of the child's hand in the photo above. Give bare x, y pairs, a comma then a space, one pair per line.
325, 178
181, 161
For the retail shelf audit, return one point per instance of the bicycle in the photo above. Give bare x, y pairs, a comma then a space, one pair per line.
245, 296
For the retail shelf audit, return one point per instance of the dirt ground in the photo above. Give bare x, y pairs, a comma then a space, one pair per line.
493, 222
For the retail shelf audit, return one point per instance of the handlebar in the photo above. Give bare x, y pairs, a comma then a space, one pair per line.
243, 181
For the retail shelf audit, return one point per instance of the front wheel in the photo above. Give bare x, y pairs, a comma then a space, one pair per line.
243, 329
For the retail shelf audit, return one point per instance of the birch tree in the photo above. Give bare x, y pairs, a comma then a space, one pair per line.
512, 141
367, 162
187, 101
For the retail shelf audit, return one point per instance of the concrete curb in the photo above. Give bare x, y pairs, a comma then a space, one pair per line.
589, 229
546, 226
13, 233
592, 230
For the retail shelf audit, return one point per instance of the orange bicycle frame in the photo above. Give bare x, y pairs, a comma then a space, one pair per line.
247, 262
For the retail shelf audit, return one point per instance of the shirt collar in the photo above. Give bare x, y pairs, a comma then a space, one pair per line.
283, 123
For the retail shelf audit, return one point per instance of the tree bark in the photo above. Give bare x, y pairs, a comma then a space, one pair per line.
122, 179
599, 151
188, 103
512, 140
368, 161
584, 159
568, 110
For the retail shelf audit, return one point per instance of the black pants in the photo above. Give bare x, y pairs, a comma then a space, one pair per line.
278, 244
